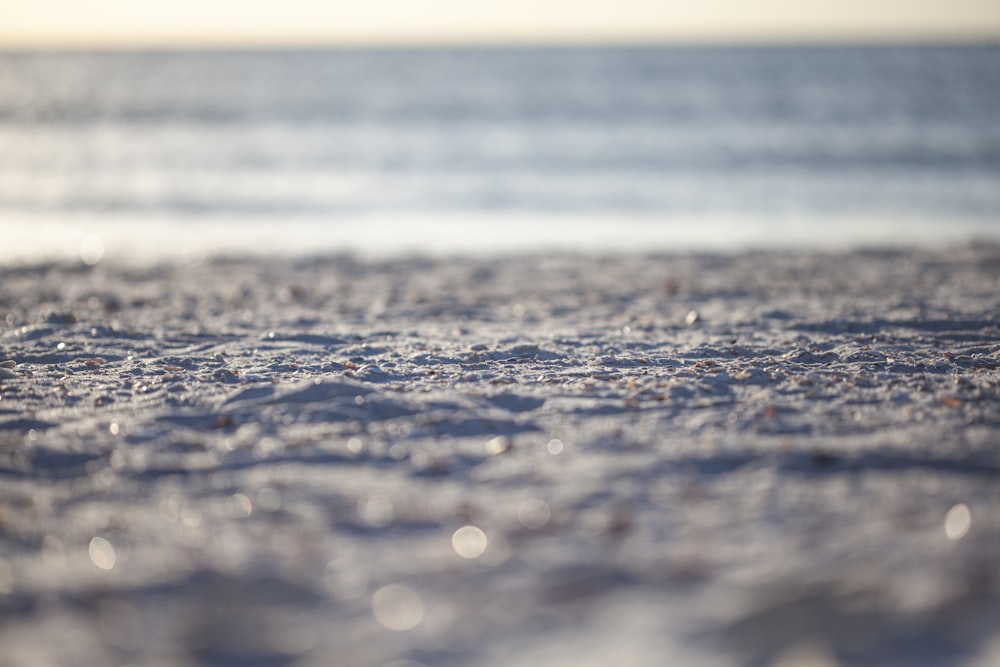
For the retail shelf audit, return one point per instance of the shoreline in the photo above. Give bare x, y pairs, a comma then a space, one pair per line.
154, 239
536, 459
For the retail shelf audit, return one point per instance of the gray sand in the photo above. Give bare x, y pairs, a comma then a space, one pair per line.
752, 459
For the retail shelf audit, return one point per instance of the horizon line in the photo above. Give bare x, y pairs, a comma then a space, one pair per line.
984, 38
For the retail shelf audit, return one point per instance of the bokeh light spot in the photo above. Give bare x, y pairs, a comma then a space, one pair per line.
345, 580
102, 554
397, 607
91, 249
376, 510
469, 542
533, 513
957, 522
53, 552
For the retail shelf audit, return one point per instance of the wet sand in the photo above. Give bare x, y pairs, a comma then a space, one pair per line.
777, 458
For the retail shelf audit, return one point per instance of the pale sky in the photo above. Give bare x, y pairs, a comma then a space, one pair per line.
139, 23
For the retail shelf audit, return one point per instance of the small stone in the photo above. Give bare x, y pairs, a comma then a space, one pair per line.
224, 421
692, 317
226, 375
10, 363
61, 318
952, 402
824, 459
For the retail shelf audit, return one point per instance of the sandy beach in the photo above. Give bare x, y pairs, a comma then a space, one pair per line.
754, 458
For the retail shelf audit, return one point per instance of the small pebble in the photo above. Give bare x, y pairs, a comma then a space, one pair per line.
10, 363
61, 318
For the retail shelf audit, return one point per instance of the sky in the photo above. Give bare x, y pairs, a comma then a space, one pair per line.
131, 23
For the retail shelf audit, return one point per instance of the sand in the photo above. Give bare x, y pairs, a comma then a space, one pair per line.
759, 458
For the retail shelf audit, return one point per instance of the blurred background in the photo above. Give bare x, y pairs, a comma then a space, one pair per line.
137, 127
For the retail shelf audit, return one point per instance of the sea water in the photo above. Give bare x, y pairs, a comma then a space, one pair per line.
489, 147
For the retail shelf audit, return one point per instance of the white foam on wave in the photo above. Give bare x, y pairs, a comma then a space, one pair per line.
92, 239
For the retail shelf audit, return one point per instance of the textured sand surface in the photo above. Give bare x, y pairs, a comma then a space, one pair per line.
750, 459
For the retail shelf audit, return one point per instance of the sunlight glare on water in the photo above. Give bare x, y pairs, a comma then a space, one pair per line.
179, 155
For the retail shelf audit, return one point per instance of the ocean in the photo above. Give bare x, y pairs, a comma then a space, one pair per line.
692, 146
